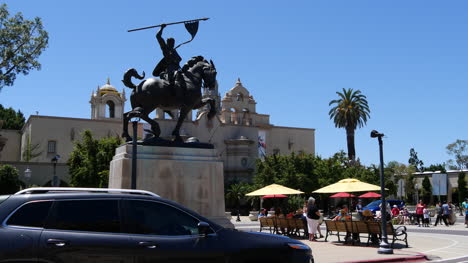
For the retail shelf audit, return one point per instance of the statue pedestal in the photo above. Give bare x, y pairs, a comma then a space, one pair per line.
192, 177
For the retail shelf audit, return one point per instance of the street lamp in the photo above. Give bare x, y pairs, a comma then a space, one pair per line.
27, 176
55, 180
384, 247
134, 121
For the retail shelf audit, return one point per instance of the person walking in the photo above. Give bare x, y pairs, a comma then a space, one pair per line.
313, 216
446, 212
419, 212
439, 212
465, 207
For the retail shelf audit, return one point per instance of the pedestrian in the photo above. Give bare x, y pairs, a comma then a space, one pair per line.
439, 213
419, 212
426, 217
452, 213
465, 207
446, 212
313, 216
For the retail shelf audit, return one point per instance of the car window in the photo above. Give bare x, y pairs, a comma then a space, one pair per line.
31, 214
86, 215
154, 218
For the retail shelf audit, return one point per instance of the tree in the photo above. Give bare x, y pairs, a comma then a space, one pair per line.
426, 190
459, 150
350, 112
462, 190
415, 162
235, 193
90, 159
410, 183
437, 167
21, 43
9, 180
12, 120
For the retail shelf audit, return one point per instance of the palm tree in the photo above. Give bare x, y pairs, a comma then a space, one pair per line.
350, 111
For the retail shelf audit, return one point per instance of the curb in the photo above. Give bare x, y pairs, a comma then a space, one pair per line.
420, 257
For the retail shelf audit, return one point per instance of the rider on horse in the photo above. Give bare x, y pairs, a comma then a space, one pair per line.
168, 67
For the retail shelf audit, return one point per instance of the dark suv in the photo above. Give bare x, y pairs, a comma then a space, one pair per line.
119, 225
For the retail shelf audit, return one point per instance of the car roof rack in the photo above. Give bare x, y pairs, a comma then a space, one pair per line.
41, 190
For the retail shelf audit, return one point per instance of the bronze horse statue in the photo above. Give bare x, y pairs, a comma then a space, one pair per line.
155, 93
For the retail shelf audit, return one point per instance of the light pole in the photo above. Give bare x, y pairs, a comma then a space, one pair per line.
55, 180
27, 176
384, 247
134, 121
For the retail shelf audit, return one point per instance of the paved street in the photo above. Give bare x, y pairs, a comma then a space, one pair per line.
437, 244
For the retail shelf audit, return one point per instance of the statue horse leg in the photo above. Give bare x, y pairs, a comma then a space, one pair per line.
183, 113
154, 125
210, 101
125, 134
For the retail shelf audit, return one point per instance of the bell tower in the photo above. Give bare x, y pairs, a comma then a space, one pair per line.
107, 103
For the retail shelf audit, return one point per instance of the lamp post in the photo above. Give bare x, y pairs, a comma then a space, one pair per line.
384, 247
55, 180
27, 176
134, 121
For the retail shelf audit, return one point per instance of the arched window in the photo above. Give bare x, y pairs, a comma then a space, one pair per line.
111, 108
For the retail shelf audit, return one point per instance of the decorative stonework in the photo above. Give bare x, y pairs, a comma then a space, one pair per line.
107, 102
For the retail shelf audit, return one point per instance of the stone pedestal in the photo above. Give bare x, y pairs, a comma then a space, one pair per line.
192, 177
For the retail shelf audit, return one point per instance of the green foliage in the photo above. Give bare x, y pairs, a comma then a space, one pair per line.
236, 192
11, 120
31, 151
437, 167
350, 112
426, 190
414, 161
462, 189
90, 159
294, 202
21, 43
9, 180
293, 171
410, 184
459, 150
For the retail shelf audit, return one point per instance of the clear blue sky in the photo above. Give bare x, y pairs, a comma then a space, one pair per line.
408, 57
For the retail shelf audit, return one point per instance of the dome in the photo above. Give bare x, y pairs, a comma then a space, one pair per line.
106, 88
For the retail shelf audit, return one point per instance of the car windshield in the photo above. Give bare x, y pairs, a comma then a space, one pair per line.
3, 198
375, 203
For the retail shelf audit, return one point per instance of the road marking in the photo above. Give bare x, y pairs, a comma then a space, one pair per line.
454, 243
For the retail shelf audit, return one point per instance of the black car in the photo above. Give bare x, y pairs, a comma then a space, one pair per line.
119, 225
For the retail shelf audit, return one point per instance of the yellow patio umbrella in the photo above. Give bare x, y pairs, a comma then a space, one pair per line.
348, 185
274, 189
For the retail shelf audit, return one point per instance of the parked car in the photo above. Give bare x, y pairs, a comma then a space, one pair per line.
117, 225
374, 206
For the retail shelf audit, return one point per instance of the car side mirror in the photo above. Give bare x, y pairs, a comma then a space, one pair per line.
203, 229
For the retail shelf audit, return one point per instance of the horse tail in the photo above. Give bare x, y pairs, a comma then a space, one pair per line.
127, 78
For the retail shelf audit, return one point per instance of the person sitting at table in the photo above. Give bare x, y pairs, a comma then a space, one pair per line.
342, 216
263, 213
367, 215
300, 214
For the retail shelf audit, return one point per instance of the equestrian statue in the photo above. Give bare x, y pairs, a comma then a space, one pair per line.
177, 88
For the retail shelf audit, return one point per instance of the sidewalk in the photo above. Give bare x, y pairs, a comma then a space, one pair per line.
434, 244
